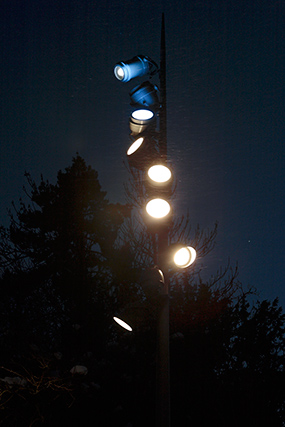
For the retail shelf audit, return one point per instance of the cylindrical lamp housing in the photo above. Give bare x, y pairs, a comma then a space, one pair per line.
138, 66
145, 95
140, 120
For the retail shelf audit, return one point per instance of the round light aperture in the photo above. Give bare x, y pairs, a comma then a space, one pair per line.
142, 114
159, 173
185, 257
158, 208
122, 324
119, 72
135, 146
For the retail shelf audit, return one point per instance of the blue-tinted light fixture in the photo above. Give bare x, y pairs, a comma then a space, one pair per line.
136, 67
145, 95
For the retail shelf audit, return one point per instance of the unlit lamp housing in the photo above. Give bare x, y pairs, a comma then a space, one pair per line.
145, 95
136, 67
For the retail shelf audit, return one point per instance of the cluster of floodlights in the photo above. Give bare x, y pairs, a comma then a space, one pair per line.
143, 153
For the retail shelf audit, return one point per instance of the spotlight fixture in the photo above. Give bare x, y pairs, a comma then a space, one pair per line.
136, 67
140, 120
159, 174
158, 208
135, 316
145, 95
123, 324
141, 151
184, 256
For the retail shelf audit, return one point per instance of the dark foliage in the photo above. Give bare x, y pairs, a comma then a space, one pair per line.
68, 260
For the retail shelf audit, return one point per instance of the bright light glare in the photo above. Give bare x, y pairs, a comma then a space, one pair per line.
123, 324
159, 173
158, 208
135, 146
185, 257
119, 72
142, 114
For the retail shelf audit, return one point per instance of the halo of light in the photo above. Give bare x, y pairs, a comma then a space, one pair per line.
159, 173
158, 208
122, 324
185, 256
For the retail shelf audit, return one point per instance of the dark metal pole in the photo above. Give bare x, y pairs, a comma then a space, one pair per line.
162, 376
162, 112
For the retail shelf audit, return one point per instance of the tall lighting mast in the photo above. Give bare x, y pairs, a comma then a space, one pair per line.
162, 372
148, 153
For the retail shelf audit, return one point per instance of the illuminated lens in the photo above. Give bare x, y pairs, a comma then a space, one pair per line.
158, 208
142, 114
185, 257
119, 72
135, 146
159, 173
123, 324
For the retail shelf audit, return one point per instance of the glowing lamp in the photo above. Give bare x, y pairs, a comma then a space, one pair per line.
159, 174
119, 72
140, 120
184, 257
123, 324
134, 316
158, 208
135, 67
140, 152
135, 146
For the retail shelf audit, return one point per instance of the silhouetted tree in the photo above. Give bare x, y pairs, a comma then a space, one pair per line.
55, 257
227, 359
227, 351
70, 258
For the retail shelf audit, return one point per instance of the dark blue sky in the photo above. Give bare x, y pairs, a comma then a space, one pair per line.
225, 86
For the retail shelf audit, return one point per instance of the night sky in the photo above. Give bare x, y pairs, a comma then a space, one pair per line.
225, 92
